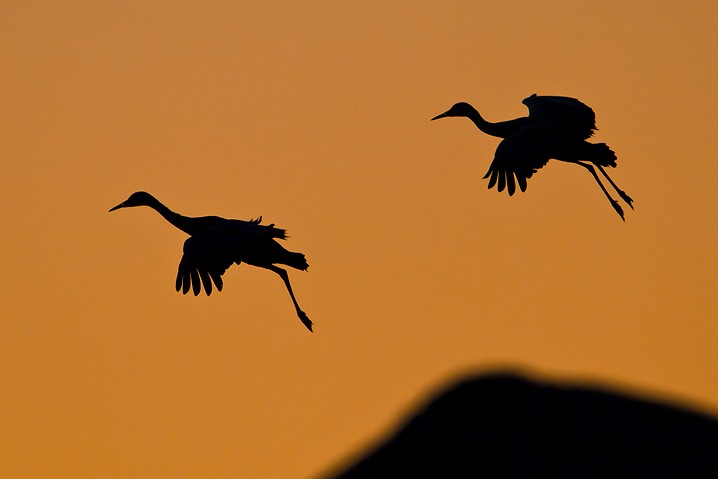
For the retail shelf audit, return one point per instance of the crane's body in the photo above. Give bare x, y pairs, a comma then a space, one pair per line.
557, 127
216, 243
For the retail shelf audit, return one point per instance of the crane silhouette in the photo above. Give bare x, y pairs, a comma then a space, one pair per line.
557, 127
215, 243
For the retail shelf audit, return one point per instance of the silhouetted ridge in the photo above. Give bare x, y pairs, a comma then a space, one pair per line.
510, 427
557, 127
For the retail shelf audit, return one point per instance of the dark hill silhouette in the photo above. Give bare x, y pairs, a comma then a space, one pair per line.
557, 127
507, 426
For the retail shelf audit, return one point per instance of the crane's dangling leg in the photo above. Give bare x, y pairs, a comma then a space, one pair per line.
614, 203
622, 193
285, 277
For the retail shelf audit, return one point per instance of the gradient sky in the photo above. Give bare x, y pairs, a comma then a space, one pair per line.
316, 116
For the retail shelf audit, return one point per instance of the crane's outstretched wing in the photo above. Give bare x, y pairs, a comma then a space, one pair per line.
254, 225
568, 114
520, 156
207, 255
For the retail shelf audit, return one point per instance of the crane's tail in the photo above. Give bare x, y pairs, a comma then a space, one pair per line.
601, 155
295, 260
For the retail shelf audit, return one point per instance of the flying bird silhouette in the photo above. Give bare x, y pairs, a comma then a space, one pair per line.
215, 243
557, 127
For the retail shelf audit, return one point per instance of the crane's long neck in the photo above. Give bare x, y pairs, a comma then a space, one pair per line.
183, 223
501, 129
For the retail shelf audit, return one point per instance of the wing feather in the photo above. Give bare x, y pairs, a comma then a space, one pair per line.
522, 182
185, 285
511, 185
217, 278
195, 281
492, 179
206, 281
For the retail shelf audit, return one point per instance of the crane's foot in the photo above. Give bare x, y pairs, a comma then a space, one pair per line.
305, 319
618, 209
626, 198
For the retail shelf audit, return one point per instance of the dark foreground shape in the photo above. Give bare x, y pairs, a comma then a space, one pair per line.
510, 427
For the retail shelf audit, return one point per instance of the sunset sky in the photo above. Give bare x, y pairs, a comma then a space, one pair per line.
316, 115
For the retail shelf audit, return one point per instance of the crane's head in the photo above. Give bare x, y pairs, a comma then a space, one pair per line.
140, 198
460, 109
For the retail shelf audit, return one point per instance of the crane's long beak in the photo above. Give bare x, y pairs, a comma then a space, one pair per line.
443, 115
121, 205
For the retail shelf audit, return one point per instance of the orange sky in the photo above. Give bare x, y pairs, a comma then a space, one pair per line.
316, 116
